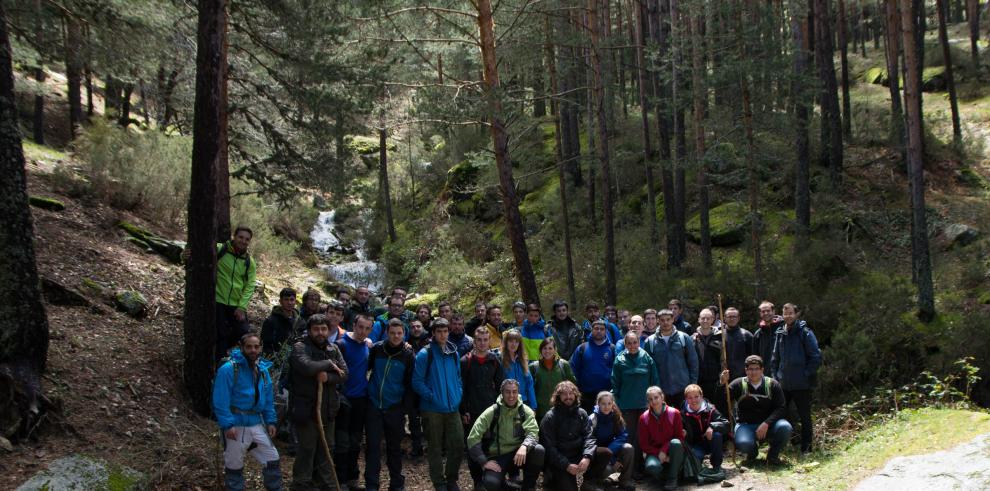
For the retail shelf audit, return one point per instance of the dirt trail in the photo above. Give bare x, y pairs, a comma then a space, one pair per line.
965, 467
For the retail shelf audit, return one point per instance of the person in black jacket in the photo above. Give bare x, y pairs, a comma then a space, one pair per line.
482, 375
568, 438
708, 344
765, 334
314, 361
277, 328
391, 365
760, 411
704, 426
739, 344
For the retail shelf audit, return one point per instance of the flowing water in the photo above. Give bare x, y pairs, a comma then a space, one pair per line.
328, 247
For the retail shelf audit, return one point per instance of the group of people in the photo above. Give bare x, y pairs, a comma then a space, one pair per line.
616, 398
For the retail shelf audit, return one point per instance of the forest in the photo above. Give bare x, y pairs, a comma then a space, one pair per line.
834, 154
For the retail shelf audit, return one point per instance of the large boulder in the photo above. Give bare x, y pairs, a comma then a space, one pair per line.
728, 224
78, 472
50, 204
959, 235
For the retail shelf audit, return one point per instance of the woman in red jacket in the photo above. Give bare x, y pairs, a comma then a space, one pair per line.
661, 433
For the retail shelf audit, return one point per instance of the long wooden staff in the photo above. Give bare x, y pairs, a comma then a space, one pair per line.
323, 435
725, 366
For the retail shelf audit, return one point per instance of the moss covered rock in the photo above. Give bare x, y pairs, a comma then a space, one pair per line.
876, 75
170, 249
933, 79
82, 472
50, 204
366, 145
131, 303
728, 224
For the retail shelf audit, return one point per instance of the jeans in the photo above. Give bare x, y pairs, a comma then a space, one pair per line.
444, 446
711, 447
670, 470
802, 401
492, 481
384, 424
777, 435
350, 434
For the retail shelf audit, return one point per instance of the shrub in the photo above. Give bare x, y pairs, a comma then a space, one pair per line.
132, 170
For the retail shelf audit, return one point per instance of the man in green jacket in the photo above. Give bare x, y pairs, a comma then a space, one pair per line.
235, 285
505, 439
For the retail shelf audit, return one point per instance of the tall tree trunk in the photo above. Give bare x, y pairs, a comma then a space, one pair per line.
659, 31
23, 323
90, 107
592, 150
111, 95
125, 106
598, 91
973, 17
224, 227
39, 76
383, 185
943, 37
957, 11
645, 94
680, 137
920, 255
144, 101
802, 162
166, 90
831, 127
753, 177
892, 23
500, 141
844, 68
73, 72
199, 326
700, 97
558, 153
539, 92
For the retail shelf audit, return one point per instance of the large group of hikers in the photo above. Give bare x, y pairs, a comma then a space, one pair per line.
615, 400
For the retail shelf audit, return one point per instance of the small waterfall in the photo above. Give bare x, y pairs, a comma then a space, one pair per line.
328, 247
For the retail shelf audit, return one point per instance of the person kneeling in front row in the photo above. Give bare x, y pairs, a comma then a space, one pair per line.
760, 410
504, 440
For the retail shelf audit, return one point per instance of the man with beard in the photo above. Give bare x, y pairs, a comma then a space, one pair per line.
505, 439
458, 336
314, 361
244, 406
568, 438
592, 365
310, 306
765, 334
277, 328
396, 310
739, 344
675, 357
493, 322
360, 304
480, 312
564, 330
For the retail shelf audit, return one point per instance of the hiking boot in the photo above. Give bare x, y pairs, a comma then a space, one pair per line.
353, 485
775, 462
670, 485
452, 486
592, 485
416, 452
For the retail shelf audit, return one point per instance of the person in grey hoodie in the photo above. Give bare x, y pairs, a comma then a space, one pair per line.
795, 362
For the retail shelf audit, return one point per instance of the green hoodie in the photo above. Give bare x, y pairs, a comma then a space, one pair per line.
516, 426
631, 376
545, 381
235, 277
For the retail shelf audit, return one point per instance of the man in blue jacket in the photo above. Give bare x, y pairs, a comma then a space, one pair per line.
396, 310
592, 365
437, 380
391, 364
354, 412
675, 357
593, 313
795, 363
245, 410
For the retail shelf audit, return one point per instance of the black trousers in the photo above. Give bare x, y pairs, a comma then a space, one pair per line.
229, 330
802, 401
561, 480
350, 433
384, 425
492, 481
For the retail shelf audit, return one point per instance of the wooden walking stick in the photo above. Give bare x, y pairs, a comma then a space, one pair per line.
323, 435
725, 366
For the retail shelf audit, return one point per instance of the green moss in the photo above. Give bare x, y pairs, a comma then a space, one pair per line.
428, 298
543, 200
50, 204
461, 177
876, 75
366, 145
119, 480
933, 79
727, 224
984, 298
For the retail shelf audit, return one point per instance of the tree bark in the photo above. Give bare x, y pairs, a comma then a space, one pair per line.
831, 127
844, 68
199, 326
224, 227
920, 254
700, 97
500, 140
73, 72
23, 323
125, 106
659, 33
943, 38
892, 23
645, 94
39, 76
802, 162
383, 185
555, 109
598, 92
680, 135
973, 18
592, 149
